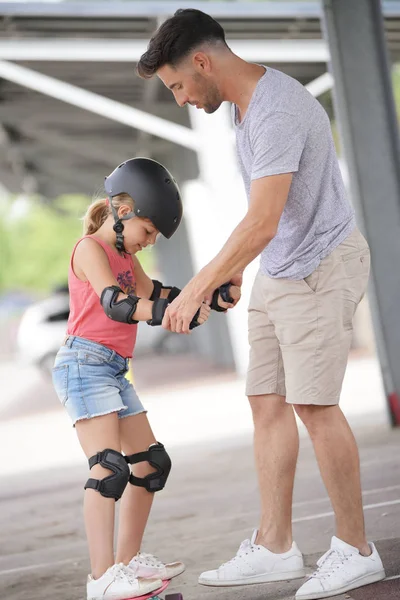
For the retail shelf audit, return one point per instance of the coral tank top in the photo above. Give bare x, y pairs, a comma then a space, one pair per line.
87, 318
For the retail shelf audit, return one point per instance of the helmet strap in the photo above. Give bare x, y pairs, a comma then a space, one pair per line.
118, 228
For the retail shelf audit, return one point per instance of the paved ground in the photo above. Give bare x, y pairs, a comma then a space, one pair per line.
210, 504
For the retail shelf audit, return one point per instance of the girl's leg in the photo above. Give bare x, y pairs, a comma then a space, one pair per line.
136, 436
95, 435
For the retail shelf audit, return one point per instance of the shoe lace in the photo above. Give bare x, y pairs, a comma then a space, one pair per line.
149, 559
122, 572
328, 563
245, 547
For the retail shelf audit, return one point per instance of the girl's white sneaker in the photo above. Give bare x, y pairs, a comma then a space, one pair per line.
119, 583
147, 565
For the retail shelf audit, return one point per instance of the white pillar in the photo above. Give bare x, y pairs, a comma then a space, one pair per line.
214, 206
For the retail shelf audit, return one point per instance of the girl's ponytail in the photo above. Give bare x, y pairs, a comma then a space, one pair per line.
98, 212
95, 216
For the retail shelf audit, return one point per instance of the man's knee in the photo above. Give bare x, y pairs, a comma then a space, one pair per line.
266, 409
314, 416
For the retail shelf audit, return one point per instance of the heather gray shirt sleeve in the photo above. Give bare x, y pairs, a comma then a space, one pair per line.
278, 143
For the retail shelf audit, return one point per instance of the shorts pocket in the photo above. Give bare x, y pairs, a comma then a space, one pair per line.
356, 270
356, 264
88, 357
60, 382
311, 280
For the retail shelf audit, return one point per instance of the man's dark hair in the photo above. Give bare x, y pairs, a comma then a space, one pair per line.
177, 37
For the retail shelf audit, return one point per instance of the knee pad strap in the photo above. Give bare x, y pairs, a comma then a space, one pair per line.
113, 485
158, 458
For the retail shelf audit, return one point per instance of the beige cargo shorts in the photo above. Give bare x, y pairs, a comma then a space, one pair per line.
300, 331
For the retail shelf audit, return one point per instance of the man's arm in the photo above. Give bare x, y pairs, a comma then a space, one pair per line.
267, 200
268, 197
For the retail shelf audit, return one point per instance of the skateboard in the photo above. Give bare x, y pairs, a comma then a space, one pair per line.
155, 594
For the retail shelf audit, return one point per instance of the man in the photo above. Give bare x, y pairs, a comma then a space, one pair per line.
313, 273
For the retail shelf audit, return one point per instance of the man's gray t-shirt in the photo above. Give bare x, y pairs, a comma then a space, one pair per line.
286, 130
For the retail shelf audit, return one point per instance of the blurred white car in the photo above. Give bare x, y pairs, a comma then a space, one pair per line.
42, 330
43, 327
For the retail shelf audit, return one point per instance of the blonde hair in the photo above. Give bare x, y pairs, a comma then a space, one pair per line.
98, 212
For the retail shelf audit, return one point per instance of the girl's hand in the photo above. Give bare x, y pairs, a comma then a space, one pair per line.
204, 313
235, 294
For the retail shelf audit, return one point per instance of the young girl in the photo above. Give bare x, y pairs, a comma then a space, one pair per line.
109, 294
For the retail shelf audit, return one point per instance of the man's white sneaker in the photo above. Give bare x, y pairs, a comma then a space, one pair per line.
119, 583
256, 564
147, 565
341, 569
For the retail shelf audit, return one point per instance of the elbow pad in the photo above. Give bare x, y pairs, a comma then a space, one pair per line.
121, 311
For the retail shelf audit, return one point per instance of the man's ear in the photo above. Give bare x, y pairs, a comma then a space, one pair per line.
201, 62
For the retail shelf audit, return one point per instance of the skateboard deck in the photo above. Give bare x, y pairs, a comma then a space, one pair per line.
153, 594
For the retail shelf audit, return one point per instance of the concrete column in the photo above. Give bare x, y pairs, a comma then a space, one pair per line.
367, 121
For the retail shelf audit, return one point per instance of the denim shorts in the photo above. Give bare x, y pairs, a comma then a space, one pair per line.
90, 381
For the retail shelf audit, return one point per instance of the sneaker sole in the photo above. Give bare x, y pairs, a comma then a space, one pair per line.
161, 587
265, 578
366, 580
176, 574
165, 576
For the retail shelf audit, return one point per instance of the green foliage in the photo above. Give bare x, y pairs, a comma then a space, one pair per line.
35, 248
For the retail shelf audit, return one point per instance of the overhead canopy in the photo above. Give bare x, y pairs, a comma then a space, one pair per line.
53, 146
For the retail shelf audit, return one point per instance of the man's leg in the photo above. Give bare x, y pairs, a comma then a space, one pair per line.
276, 447
351, 562
338, 460
270, 554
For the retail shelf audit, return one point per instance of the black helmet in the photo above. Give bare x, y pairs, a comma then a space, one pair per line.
153, 189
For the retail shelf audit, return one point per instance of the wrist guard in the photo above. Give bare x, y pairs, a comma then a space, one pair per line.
158, 287
174, 293
157, 311
194, 323
222, 291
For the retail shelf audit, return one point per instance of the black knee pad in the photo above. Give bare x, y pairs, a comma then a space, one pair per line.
157, 457
113, 485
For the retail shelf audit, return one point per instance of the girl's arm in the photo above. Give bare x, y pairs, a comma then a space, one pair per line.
145, 285
90, 263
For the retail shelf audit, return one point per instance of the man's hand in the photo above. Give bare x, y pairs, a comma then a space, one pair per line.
181, 311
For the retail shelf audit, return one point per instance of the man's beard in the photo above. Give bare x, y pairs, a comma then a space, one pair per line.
211, 108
